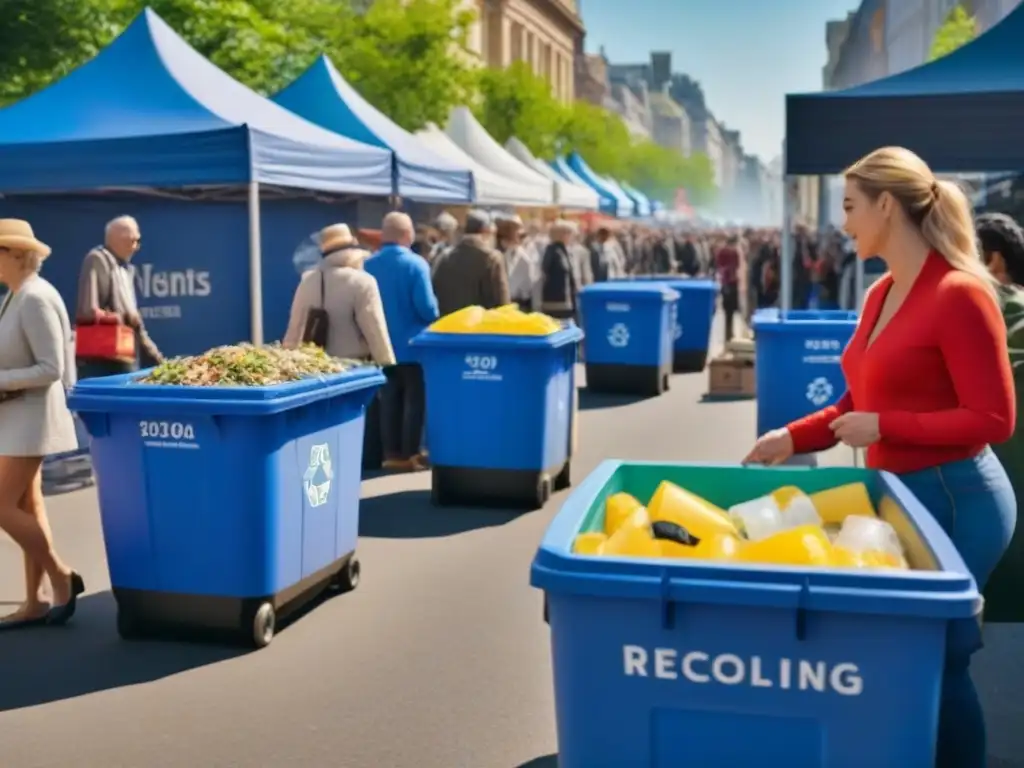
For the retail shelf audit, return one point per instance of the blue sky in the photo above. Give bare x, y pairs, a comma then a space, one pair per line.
747, 54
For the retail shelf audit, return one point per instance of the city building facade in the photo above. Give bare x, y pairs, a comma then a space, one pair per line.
670, 125
546, 34
912, 24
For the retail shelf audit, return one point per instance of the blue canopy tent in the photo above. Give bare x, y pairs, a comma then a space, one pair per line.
322, 96
961, 113
611, 204
620, 193
150, 113
644, 207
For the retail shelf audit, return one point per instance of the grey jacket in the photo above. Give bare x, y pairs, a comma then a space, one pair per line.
97, 294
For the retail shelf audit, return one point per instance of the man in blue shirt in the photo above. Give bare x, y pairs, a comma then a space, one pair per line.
409, 307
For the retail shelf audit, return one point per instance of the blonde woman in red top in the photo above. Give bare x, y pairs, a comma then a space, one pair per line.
929, 388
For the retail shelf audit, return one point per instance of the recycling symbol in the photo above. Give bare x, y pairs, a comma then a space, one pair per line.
316, 481
618, 335
820, 391
678, 332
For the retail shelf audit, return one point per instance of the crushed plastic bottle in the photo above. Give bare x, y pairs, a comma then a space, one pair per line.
864, 535
617, 509
758, 518
507, 320
806, 545
834, 505
673, 504
590, 543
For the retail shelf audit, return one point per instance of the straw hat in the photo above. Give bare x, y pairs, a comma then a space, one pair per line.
334, 237
16, 233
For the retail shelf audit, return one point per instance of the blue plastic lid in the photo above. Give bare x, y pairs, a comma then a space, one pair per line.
681, 282
802, 319
947, 593
630, 290
570, 334
123, 394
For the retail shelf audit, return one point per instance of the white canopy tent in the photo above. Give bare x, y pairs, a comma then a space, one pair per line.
473, 139
491, 187
567, 194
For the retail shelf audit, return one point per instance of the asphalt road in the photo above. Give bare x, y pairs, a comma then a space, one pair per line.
439, 660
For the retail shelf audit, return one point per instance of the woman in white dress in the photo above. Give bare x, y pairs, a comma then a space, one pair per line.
34, 420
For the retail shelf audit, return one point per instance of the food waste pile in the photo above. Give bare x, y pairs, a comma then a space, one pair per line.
836, 528
247, 365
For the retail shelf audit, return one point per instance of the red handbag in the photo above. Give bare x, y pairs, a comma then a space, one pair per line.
105, 342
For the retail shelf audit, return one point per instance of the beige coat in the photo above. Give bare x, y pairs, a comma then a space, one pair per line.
356, 325
35, 357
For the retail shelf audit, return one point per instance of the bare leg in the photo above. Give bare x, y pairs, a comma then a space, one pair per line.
17, 476
32, 504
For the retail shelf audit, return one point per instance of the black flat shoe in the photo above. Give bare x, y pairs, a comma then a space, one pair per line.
61, 614
35, 621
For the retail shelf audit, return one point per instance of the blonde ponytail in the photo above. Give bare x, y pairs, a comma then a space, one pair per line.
948, 227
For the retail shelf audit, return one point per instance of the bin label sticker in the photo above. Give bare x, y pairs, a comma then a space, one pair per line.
822, 350
820, 391
618, 335
677, 334
481, 368
617, 306
167, 434
316, 482
703, 668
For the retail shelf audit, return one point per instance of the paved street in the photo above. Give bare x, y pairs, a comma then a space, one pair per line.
439, 660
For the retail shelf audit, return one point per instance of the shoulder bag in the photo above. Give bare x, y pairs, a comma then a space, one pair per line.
317, 320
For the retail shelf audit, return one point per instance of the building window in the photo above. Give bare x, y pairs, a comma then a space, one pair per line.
531, 51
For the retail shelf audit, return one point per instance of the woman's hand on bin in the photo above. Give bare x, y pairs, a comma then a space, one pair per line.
771, 448
857, 429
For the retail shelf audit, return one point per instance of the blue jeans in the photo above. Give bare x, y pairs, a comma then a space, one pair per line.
974, 503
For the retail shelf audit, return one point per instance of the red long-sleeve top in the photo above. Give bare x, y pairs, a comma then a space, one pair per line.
938, 375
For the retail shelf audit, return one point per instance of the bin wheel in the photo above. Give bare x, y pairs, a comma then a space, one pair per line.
439, 495
348, 577
564, 478
128, 626
543, 492
264, 625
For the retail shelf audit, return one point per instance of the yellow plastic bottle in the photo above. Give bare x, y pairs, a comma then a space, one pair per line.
836, 504
806, 545
617, 508
633, 539
465, 320
590, 543
785, 494
700, 517
845, 558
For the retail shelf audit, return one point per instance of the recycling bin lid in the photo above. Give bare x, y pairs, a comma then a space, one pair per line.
681, 282
802, 320
641, 289
570, 334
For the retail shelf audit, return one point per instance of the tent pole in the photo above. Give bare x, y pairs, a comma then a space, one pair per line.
786, 257
858, 276
255, 266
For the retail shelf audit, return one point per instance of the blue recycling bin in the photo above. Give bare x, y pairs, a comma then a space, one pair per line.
797, 356
501, 415
222, 507
629, 328
661, 662
694, 315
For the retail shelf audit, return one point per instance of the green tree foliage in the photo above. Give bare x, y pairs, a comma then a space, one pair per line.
408, 58
957, 30
46, 39
515, 102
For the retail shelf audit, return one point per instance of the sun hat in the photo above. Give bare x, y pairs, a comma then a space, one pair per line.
334, 237
17, 233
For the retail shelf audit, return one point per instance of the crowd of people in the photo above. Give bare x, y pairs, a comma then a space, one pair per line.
931, 392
